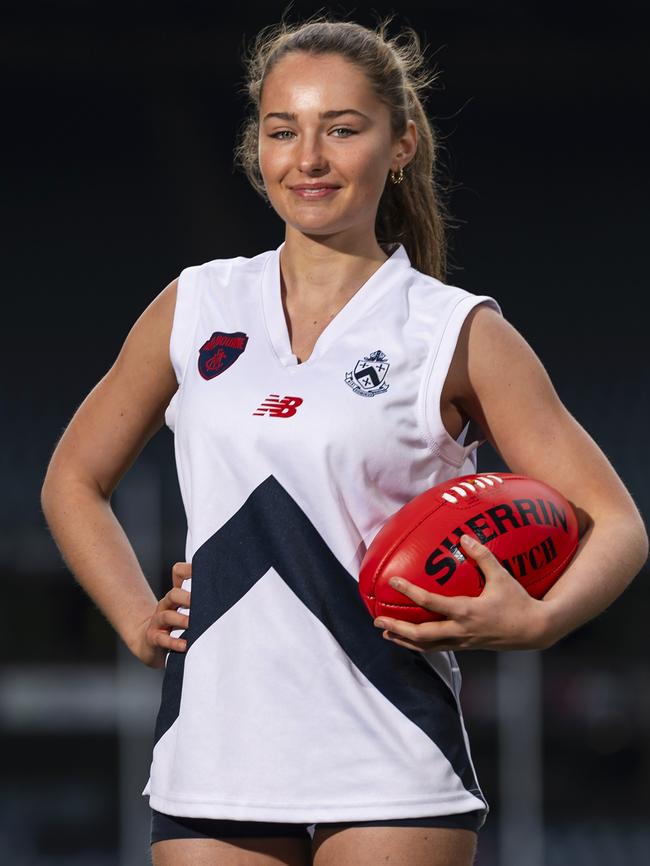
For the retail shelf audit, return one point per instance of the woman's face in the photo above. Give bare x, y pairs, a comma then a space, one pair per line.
321, 124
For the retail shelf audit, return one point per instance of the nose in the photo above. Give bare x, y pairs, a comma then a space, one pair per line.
311, 157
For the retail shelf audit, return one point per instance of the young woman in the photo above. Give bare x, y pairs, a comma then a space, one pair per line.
312, 390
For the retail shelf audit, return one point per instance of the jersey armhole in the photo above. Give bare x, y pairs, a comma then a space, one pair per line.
438, 439
186, 313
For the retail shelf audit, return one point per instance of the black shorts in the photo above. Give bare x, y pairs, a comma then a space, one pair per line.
173, 827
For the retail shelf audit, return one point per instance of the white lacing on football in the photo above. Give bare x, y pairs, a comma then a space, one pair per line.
480, 481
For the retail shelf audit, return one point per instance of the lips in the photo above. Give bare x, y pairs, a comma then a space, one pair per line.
313, 186
307, 192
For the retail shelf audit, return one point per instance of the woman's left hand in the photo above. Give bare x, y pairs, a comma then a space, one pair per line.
503, 617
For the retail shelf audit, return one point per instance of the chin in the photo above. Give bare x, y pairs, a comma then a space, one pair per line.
318, 225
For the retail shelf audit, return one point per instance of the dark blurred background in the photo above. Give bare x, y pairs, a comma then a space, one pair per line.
119, 125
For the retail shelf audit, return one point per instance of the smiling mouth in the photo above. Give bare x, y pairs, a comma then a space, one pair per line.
315, 192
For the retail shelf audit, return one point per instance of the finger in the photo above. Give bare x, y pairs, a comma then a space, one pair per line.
393, 638
429, 600
163, 626
175, 598
425, 646
180, 597
158, 637
178, 643
424, 632
437, 646
488, 564
181, 571
446, 644
174, 619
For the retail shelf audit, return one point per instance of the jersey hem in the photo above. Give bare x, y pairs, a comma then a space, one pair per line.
299, 813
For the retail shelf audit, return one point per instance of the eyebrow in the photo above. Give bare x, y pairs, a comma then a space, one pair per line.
324, 115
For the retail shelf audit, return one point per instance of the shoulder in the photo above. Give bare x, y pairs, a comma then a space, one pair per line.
486, 347
213, 276
479, 332
240, 263
497, 379
145, 346
444, 306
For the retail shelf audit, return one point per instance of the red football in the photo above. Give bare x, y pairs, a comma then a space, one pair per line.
530, 528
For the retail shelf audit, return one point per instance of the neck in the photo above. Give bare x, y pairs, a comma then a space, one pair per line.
319, 276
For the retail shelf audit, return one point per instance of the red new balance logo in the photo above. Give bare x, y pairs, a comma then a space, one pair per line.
279, 407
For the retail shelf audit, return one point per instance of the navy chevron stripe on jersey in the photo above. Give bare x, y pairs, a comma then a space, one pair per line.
271, 530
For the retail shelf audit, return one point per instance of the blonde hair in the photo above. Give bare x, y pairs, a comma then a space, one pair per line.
412, 212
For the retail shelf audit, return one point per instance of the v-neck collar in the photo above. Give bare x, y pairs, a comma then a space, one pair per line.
387, 274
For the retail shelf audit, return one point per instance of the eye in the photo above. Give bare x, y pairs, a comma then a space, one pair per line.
279, 135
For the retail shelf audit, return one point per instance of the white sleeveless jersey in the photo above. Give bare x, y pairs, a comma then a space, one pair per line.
288, 704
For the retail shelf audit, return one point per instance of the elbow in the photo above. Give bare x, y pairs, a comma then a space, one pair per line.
62, 485
643, 544
46, 492
50, 489
639, 537
56, 488
627, 533
636, 546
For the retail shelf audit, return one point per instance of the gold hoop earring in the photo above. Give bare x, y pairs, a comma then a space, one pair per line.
397, 178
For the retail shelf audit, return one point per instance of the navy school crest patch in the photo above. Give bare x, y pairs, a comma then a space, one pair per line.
367, 378
220, 352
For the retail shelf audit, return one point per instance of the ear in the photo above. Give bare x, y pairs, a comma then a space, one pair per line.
406, 146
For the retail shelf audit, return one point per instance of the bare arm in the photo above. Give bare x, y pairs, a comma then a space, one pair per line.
103, 439
512, 397
497, 380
